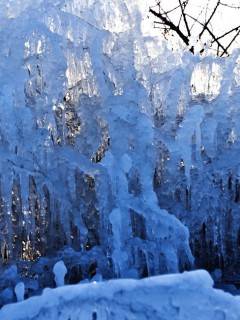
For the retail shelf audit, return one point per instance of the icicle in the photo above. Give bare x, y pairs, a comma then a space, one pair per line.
189, 127
24, 186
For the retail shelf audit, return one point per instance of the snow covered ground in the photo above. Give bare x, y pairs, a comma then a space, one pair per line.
187, 296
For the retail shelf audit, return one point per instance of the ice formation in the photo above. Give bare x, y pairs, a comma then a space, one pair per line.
19, 291
184, 296
108, 141
59, 271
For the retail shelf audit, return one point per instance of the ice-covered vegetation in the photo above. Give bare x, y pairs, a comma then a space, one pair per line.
112, 148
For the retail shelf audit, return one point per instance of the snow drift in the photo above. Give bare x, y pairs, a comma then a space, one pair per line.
184, 296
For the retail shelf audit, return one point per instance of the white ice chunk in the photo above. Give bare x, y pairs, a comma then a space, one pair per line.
19, 291
59, 271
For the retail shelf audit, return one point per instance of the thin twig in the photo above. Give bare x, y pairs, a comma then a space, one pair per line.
211, 34
232, 41
184, 17
206, 24
228, 32
230, 5
171, 25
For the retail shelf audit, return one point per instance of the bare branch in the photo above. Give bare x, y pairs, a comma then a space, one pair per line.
184, 16
186, 24
211, 16
206, 10
159, 22
228, 32
169, 11
231, 42
211, 34
215, 40
196, 19
230, 5
171, 25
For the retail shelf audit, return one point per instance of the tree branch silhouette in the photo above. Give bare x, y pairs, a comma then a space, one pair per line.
185, 28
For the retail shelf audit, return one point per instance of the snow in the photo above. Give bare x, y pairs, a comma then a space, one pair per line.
184, 296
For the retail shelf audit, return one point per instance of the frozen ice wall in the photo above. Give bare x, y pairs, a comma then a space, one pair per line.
108, 140
197, 175
77, 146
